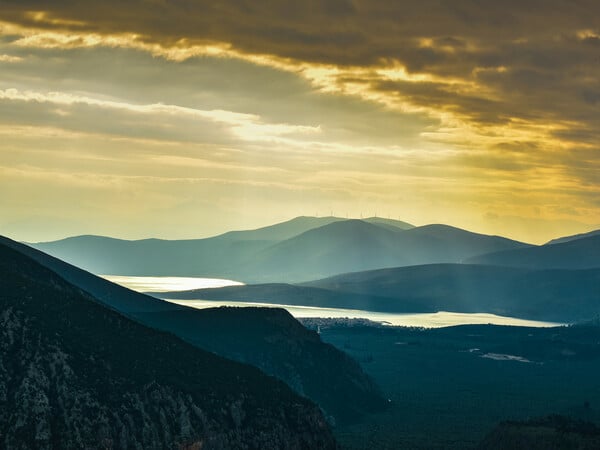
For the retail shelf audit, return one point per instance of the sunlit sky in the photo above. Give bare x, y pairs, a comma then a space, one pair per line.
188, 118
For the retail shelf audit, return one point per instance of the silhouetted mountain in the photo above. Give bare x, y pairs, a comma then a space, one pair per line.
269, 339
283, 230
548, 433
574, 237
355, 245
581, 253
294, 227
74, 374
390, 224
335, 248
259, 256
212, 257
551, 295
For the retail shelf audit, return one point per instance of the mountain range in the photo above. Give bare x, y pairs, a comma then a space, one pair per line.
575, 253
322, 247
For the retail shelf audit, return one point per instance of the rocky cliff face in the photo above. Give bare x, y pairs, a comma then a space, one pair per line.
76, 375
271, 339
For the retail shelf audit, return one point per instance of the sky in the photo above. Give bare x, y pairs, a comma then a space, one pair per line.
185, 118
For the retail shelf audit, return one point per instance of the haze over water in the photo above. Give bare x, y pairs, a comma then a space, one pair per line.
428, 320
168, 284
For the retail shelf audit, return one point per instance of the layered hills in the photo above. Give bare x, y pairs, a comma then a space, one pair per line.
321, 247
551, 432
575, 253
356, 245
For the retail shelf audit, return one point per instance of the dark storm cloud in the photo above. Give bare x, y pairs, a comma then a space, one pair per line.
337, 31
536, 41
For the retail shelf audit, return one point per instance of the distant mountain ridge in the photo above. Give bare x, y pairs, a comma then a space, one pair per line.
573, 237
328, 247
582, 253
298, 225
355, 245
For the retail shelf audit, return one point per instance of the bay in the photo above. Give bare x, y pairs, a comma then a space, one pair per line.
427, 320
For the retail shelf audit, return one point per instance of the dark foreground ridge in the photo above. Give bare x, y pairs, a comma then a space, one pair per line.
74, 374
270, 339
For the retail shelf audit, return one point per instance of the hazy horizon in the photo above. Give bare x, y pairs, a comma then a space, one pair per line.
58, 235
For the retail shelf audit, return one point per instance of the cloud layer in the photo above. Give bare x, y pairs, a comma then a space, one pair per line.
476, 110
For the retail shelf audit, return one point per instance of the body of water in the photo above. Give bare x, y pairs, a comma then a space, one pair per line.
168, 284
429, 320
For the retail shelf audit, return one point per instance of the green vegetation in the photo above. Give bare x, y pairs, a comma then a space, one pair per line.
446, 395
303, 249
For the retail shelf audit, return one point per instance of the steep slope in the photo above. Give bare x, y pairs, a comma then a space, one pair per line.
442, 243
110, 294
574, 237
581, 253
262, 337
355, 245
75, 374
190, 257
334, 248
270, 338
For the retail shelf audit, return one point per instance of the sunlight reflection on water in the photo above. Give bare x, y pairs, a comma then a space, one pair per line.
428, 320
168, 284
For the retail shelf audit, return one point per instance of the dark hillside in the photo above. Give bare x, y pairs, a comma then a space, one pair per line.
75, 374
